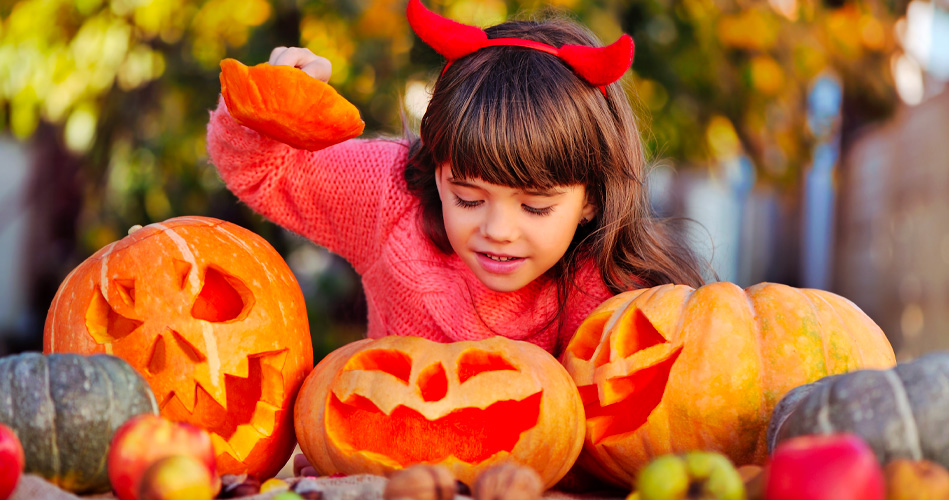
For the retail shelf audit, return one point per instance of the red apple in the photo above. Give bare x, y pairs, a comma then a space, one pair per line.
12, 461
145, 439
824, 467
178, 477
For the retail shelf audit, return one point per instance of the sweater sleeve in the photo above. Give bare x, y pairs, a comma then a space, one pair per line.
345, 197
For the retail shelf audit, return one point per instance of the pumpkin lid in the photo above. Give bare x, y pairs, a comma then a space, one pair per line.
286, 104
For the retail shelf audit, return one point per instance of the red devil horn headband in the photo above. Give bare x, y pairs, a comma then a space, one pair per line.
599, 66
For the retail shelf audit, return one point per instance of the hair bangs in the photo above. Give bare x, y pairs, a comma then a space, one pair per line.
522, 130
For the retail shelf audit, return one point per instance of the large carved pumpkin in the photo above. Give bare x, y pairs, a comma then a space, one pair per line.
212, 317
671, 368
379, 405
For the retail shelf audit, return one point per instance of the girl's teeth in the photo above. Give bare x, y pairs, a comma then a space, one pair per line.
500, 259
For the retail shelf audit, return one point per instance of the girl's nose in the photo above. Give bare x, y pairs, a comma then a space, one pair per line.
499, 225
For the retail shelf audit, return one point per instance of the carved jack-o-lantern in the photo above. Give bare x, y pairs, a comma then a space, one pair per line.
212, 317
671, 369
375, 406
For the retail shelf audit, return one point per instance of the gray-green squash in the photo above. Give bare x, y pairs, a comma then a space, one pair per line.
902, 412
65, 409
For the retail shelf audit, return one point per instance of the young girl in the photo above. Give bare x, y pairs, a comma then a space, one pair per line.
520, 208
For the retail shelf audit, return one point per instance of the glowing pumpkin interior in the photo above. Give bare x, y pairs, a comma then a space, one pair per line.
637, 361
406, 436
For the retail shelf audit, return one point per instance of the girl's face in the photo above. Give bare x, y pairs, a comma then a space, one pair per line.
508, 237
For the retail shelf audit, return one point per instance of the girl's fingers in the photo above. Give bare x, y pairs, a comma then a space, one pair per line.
319, 68
274, 53
316, 66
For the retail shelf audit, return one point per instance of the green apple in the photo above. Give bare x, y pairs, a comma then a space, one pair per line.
696, 475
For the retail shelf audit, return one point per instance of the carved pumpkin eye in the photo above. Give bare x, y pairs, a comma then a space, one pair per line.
475, 361
103, 322
623, 404
391, 361
222, 298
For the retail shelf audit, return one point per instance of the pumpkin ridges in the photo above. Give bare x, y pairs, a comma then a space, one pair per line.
733, 315
837, 357
868, 341
779, 321
800, 354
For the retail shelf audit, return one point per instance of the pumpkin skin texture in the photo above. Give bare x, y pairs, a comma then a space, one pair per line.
65, 409
672, 369
286, 104
212, 317
900, 412
380, 405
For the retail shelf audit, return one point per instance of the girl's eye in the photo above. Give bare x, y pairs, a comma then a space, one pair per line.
538, 211
465, 203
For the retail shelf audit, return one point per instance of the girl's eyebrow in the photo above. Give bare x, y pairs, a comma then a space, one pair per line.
530, 192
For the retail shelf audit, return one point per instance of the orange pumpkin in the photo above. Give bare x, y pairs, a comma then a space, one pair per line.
379, 405
288, 105
210, 314
672, 369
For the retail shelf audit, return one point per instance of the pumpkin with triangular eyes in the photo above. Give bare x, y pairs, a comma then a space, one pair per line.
672, 369
380, 405
213, 318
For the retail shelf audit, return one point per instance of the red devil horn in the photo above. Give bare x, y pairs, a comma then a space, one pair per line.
600, 65
449, 38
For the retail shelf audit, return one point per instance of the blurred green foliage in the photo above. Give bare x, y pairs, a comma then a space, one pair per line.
126, 86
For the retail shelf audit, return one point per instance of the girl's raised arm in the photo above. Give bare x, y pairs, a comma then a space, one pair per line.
344, 197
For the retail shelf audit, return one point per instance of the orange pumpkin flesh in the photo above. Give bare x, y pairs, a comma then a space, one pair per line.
671, 369
286, 104
376, 406
214, 320
362, 426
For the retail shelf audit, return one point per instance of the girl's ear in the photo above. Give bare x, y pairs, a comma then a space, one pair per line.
589, 211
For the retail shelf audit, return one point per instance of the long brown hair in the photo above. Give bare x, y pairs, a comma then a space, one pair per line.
521, 118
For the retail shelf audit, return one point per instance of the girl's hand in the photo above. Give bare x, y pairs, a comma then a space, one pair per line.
311, 64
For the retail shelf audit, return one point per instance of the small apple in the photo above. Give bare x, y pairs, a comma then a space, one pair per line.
12, 461
696, 474
143, 440
916, 480
824, 467
178, 477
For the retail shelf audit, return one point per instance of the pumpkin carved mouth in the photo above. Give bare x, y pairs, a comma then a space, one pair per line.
405, 436
630, 376
250, 412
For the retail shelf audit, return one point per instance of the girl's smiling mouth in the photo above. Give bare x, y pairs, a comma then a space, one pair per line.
499, 264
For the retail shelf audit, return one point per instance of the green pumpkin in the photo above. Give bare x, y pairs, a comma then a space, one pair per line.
902, 412
65, 409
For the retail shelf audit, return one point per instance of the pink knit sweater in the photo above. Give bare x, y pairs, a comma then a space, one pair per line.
352, 199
